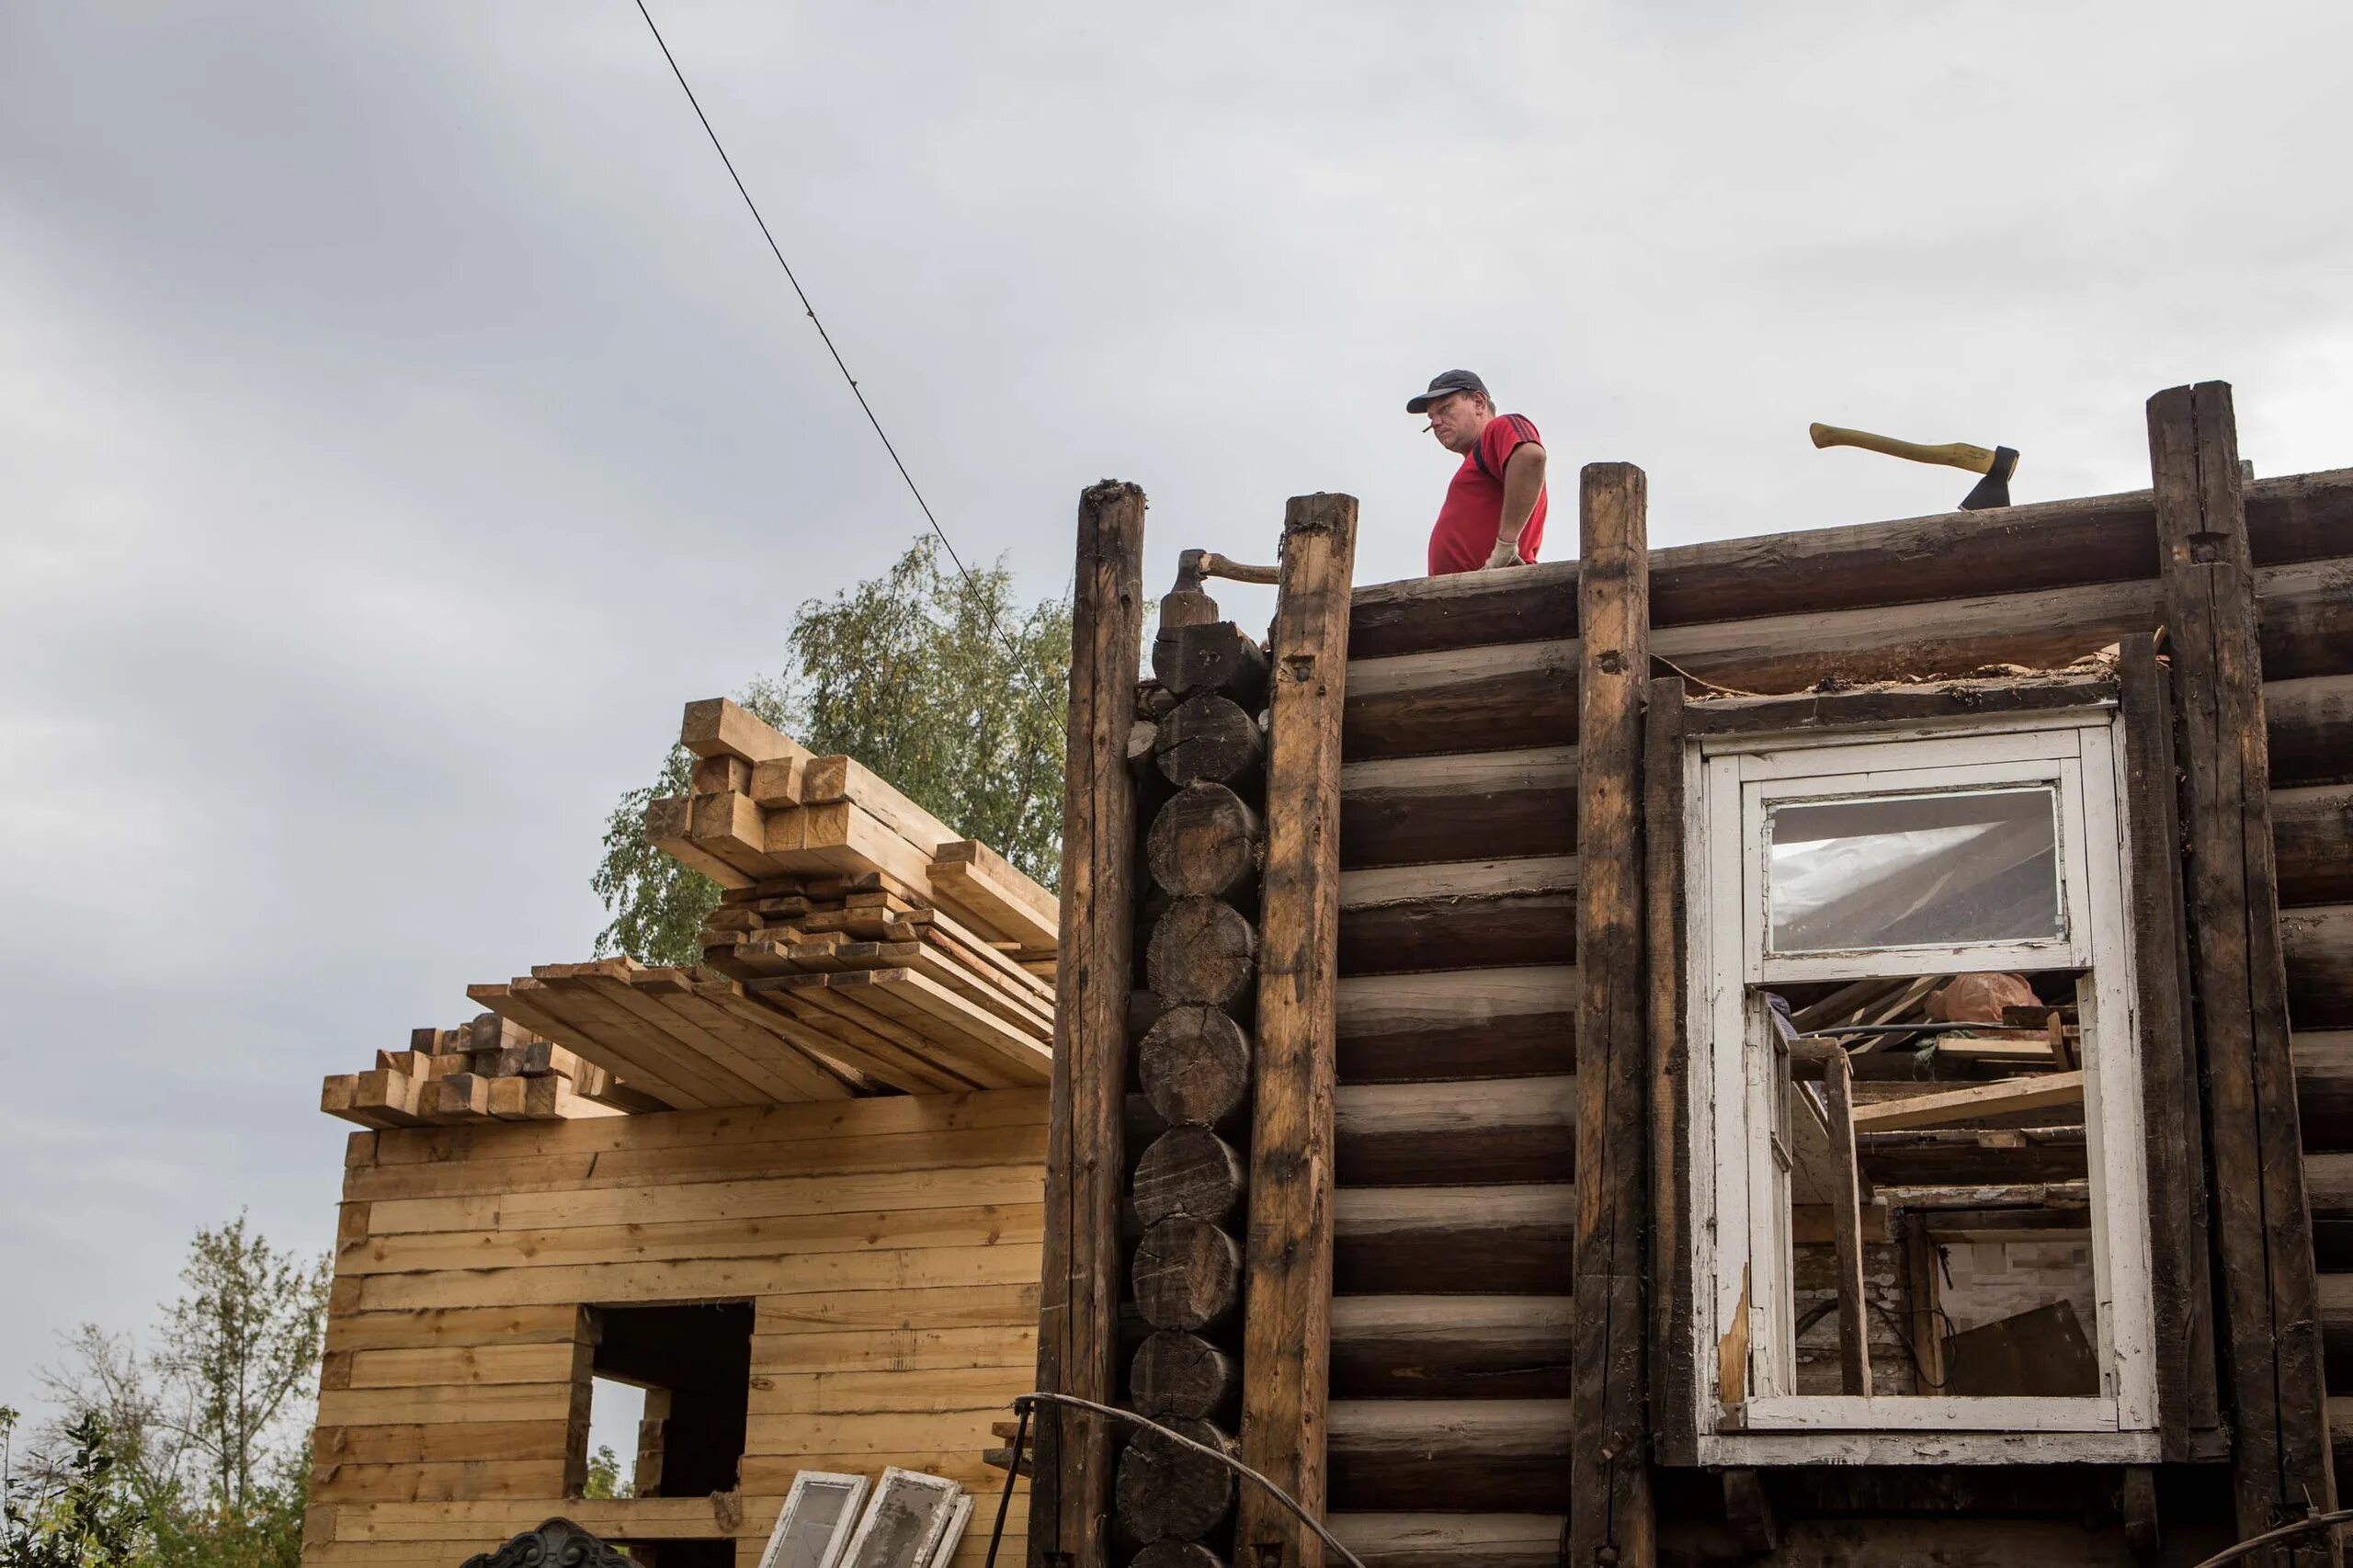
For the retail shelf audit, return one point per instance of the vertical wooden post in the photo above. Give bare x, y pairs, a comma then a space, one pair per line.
2181, 1283
1610, 1519
1674, 1369
1846, 1209
1287, 1328
1924, 1300
2281, 1462
1078, 1300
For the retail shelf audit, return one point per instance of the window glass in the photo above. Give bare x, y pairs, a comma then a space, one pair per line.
1912, 871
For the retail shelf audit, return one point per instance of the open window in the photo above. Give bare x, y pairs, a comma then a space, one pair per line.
1920, 1201
693, 1363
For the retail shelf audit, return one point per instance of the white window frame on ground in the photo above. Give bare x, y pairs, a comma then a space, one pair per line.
1739, 1234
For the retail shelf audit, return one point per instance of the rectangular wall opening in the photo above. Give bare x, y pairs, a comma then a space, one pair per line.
692, 1366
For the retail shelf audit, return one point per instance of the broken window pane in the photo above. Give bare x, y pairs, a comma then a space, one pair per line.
1912, 871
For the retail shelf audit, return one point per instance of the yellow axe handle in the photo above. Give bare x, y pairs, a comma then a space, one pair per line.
1953, 454
1216, 565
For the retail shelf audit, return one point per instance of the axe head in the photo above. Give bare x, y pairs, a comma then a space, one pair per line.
1994, 490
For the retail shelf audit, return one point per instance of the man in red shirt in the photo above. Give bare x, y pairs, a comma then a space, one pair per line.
1494, 514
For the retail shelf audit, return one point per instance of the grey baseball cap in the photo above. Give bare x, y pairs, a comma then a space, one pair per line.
1442, 384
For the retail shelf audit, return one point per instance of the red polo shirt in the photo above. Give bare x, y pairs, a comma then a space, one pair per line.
1467, 523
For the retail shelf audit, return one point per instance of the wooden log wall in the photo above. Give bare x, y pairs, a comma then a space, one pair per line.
1204, 851
888, 1247
1457, 1005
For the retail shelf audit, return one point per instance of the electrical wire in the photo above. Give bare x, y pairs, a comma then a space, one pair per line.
811, 312
1026, 1401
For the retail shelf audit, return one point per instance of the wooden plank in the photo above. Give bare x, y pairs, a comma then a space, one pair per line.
1972, 1105
2325, 1087
1473, 1132
1415, 704
825, 779
1009, 1262
1875, 706
1465, 806
1608, 1466
1847, 1212
1674, 1369
2181, 1289
1286, 1331
717, 727
986, 882
1079, 1341
2281, 1462
1459, 1023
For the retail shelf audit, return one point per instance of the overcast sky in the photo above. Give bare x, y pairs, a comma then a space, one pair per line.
400, 418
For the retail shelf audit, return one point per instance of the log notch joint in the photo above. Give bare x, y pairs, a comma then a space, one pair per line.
1287, 1324
2281, 1460
1610, 1519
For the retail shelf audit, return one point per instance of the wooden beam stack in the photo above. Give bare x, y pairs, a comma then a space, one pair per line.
765, 813
487, 1070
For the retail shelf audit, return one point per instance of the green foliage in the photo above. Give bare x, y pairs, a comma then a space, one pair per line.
605, 1476
203, 1443
72, 1513
948, 689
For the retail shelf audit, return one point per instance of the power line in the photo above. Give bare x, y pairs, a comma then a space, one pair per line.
811, 310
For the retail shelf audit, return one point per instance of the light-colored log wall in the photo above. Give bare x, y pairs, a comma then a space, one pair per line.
888, 1246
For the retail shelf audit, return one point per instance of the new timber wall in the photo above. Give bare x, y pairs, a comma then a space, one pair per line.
889, 1248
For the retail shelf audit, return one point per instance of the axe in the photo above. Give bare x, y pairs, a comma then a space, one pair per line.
1189, 604
1997, 465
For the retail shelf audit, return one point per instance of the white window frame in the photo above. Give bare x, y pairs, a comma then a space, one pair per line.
1729, 779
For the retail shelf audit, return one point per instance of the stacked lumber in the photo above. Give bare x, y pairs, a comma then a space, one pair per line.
683, 1039
898, 953
489, 1069
764, 812
903, 992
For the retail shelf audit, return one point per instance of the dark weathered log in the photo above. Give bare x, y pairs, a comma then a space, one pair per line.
2304, 618
1143, 740
1894, 705
1078, 1302
2055, 544
1385, 1239
2328, 1178
1205, 842
1451, 1347
1472, 806
1177, 1554
1452, 1539
1960, 1156
1187, 1275
1202, 951
1183, 1374
2325, 1087
2318, 944
1495, 1129
1520, 695
1453, 917
1464, 1024
1472, 1454
1214, 657
2312, 839
1195, 1063
1286, 1331
1170, 1492
1192, 1172
1208, 739
2310, 726
1610, 1515
2337, 1327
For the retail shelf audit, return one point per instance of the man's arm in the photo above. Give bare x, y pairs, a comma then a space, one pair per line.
1523, 482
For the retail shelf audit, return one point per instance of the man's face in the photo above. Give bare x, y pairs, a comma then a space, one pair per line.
1456, 419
